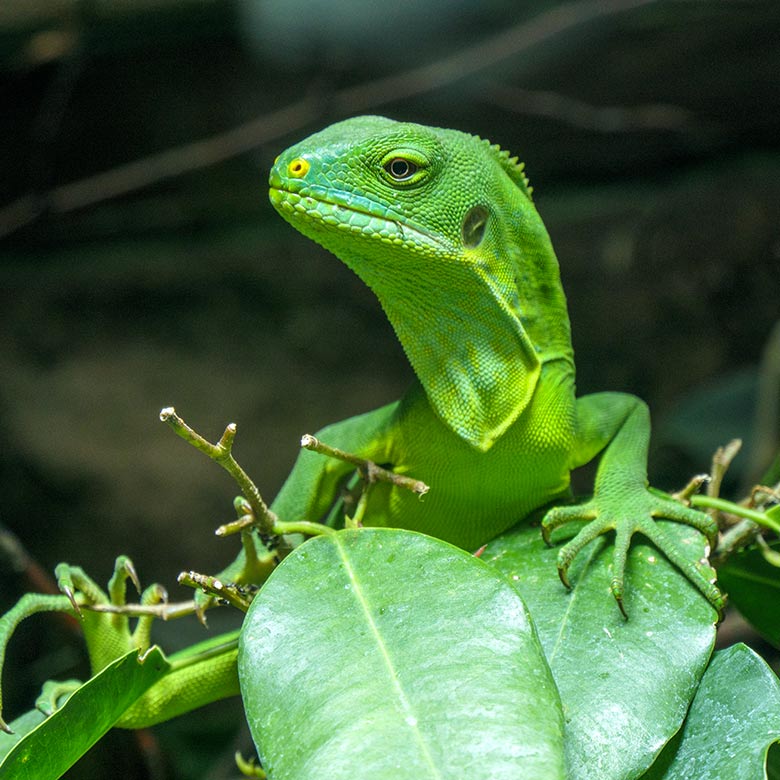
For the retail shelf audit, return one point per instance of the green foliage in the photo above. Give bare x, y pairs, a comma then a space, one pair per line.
388, 653
380, 653
625, 684
43, 749
753, 585
734, 719
377, 653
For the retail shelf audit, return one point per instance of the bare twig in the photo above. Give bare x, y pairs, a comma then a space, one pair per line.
693, 486
215, 587
236, 526
163, 611
721, 461
370, 471
264, 519
763, 494
485, 54
245, 518
603, 119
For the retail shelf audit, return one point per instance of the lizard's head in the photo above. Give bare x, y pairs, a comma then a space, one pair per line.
369, 186
429, 219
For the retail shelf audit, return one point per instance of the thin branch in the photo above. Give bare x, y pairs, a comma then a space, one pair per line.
163, 611
722, 505
578, 113
692, 487
15, 558
370, 471
213, 586
721, 461
305, 527
249, 135
236, 526
221, 453
485, 54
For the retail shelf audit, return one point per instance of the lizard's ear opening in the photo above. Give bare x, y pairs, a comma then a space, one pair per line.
474, 226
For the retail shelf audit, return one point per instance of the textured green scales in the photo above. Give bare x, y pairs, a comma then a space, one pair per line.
442, 227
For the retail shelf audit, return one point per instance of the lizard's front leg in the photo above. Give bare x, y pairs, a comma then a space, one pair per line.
622, 501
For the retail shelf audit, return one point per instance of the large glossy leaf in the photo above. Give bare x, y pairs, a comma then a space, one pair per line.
625, 685
387, 655
55, 744
753, 585
733, 720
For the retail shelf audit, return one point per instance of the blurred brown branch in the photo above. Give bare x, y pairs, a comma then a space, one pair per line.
604, 119
199, 154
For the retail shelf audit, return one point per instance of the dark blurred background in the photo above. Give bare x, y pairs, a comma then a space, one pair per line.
141, 264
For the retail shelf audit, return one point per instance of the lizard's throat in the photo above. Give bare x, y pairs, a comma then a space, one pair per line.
467, 347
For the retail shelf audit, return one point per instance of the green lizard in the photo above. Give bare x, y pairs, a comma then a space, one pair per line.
442, 227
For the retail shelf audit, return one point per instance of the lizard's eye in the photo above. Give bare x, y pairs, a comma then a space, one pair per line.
401, 169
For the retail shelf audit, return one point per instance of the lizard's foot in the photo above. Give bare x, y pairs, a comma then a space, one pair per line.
104, 618
54, 694
73, 580
627, 515
105, 615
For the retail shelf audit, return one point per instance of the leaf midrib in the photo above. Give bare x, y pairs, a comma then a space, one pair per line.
389, 665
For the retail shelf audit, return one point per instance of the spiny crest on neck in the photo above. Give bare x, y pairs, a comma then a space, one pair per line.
514, 168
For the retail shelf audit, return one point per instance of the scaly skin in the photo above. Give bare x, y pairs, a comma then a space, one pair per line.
200, 674
442, 227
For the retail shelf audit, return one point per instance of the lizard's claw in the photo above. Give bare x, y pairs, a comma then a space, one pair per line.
73, 580
123, 570
627, 516
155, 594
67, 576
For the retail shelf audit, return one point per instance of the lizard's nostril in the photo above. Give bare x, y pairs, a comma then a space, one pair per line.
298, 168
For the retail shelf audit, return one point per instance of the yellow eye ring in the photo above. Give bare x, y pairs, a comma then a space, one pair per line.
298, 168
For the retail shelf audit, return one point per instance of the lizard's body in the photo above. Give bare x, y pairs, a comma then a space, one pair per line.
455, 308
473, 495
441, 226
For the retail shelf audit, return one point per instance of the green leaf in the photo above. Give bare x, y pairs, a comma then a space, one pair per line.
49, 749
753, 585
733, 720
20, 726
377, 654
625, 685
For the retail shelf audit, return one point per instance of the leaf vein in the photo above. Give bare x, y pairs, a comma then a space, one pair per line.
411, 719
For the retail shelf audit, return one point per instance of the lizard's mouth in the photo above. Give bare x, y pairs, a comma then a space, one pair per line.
354, 215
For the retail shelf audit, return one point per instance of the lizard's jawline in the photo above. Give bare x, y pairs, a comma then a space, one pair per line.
288, 202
